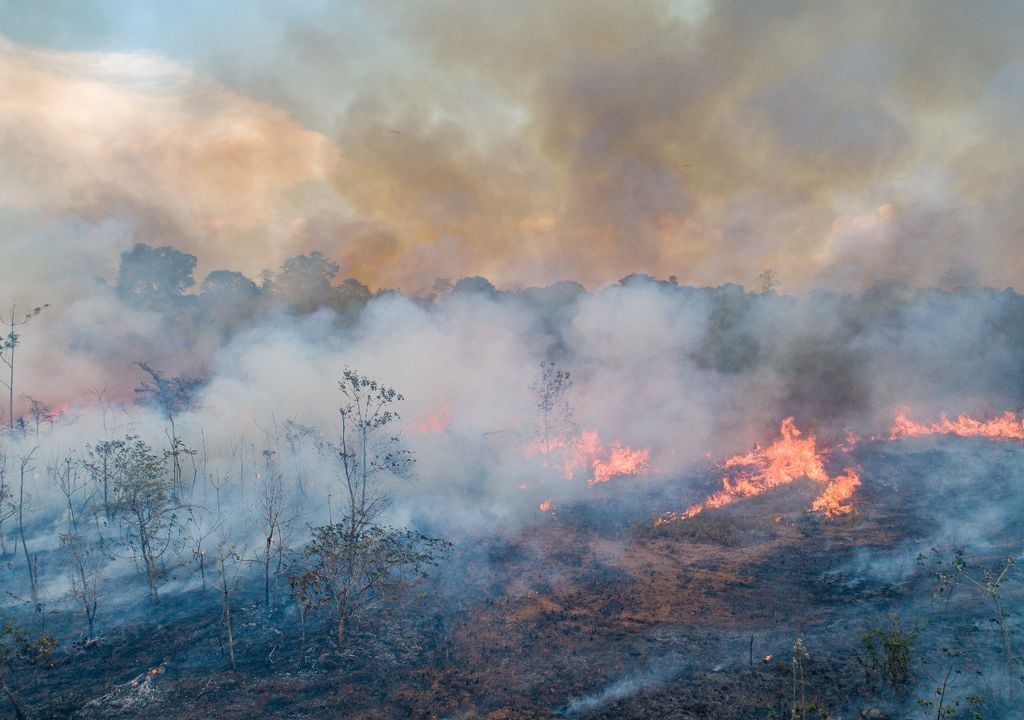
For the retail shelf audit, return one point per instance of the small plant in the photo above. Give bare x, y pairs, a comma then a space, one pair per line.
989, 582
946, 706
887, 653
19, 653
800, 709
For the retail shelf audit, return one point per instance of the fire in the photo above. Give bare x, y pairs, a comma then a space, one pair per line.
1007, 426
586, 453
835, 500
621, 461
545, 506
789, 458
435, 421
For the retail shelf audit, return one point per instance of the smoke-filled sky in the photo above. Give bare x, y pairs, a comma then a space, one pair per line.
839, 143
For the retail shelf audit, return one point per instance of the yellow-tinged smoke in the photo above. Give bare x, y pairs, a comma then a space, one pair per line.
839, 143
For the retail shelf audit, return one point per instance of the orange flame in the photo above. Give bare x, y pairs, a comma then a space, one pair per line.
621, 461
545, 506
586, 453
787, 459
1007, 426
835, 500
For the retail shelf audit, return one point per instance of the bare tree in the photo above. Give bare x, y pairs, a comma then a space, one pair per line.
84, 563
83, 559
8, 344
550, 392
39, 412
272, 517
357, 564
7, 508
173, 396
31, 561
229, 570
201, 527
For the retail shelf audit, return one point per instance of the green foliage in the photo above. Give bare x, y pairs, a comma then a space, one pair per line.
887, 653
19, 652
358, 565
155, 275
16, 644
357, 570
145, 504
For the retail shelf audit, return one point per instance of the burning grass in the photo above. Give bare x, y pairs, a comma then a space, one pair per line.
593, 612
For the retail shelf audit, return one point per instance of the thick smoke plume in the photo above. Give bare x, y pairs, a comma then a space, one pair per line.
685, 373
840, 144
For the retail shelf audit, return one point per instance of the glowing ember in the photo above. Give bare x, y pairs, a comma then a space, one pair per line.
585, 453
1007, 426
545, 506
787, 459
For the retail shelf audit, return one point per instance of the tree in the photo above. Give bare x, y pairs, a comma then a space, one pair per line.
767, 282
104, 458
39, 412
358, 564
83, 559
172, 396
358, 573
272, 518
230, 286
32, 561
7, 508
155, 275
147, 508
8, 344
549, 391
366, 450
21, 652
202, 526
304, 282
229, 563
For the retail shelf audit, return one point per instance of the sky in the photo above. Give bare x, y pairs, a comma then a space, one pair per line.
840, 144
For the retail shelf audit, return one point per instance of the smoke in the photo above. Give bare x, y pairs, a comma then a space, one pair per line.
841, 145
621, 688
685, 374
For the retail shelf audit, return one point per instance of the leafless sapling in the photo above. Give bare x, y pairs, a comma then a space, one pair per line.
8, 344
229, 570
83, 557
25, 467
272, 517
7, 507
550, 394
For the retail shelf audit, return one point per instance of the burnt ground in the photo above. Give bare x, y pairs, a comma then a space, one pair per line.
593, 612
